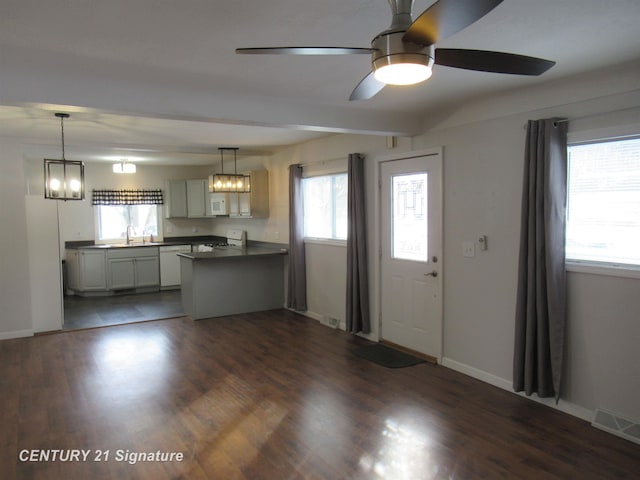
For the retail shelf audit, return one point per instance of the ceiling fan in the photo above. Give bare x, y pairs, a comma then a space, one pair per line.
405, 53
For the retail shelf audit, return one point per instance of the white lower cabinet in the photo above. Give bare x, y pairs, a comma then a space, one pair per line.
133, 268
110, 269
86, 270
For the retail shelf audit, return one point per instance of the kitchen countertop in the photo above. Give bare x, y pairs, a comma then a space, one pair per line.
123, 245
230, 252
172, 241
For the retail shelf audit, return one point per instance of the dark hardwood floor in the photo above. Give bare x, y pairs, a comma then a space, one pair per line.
272, 395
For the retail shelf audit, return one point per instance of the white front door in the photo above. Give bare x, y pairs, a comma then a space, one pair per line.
411, 253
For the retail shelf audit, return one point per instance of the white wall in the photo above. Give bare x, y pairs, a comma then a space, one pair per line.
15, 298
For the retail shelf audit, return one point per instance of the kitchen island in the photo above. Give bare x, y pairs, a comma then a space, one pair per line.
232, 280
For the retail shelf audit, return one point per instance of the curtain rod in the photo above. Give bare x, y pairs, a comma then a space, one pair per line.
599, 114
555, 122
308, 164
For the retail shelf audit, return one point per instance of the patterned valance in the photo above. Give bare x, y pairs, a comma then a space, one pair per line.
129, 196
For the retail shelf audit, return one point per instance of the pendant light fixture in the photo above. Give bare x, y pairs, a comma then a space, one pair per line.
229, 183
63, 179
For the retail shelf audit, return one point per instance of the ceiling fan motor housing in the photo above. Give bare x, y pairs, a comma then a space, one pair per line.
388, 47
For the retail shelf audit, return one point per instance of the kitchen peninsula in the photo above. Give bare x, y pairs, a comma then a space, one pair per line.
231, 280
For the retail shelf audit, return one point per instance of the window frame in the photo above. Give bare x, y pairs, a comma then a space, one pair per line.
614, 269
338, 242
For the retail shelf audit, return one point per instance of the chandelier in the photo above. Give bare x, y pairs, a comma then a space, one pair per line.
63, 179
229, 183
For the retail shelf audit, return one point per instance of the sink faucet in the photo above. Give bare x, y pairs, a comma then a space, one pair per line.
129, 228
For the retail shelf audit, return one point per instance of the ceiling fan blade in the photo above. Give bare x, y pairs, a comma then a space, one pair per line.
304, 50
367, 88
496, 62
446, 17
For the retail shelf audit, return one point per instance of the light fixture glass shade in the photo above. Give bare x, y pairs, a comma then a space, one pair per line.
402, 73
229, 183
124, 167
63, 179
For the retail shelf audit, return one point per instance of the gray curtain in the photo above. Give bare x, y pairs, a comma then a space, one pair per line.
297, 286
357, 276
541, 301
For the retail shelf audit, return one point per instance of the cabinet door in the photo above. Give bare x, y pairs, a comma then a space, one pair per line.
72, 264
176, 201
121, 273
147, 272
92, 270
196, 198
244, 207
234, 204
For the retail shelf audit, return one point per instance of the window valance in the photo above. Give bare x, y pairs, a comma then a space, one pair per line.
130, 196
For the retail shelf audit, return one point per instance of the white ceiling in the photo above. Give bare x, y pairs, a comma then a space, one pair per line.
158, 80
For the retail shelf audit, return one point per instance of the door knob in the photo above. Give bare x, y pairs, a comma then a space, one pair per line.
431, 274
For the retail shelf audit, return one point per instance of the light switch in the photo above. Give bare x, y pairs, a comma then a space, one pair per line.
468, 249
483, 242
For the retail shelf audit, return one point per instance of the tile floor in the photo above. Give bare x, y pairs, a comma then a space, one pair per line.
90, 312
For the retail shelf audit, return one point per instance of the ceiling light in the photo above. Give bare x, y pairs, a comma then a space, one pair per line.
228, 183
124, 167
63, 179
402, 69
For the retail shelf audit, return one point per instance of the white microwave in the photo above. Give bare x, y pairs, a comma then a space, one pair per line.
219, 203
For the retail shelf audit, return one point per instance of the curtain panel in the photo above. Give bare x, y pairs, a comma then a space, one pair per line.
357, 315
131, 196
541, 299
297, 281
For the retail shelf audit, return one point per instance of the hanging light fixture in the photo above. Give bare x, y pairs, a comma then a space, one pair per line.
229, 183
63, 179
124, 166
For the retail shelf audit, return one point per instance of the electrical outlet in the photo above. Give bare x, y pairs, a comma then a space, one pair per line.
468, 249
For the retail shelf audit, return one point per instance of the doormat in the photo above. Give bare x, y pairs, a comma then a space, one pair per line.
386, 356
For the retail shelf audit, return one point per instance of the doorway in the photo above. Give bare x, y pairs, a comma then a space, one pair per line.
411, 253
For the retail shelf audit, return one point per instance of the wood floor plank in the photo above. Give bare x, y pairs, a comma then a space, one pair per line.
273, 395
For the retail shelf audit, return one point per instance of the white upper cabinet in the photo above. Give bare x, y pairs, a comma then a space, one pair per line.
254, 204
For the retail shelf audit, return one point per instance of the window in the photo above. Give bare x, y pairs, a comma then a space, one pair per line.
325, 206
603, 203
113, 221
409, 196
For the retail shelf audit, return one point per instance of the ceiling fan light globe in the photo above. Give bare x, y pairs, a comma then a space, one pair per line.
402, 73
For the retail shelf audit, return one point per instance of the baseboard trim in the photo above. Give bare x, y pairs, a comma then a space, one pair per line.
563, 406
16, 334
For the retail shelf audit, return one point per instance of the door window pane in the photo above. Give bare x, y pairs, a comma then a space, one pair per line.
409, 217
